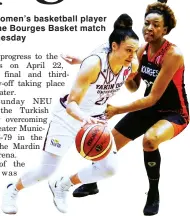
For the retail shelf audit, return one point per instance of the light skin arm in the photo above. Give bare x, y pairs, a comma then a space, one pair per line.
173, 61
88, 74
78, 60
72, 59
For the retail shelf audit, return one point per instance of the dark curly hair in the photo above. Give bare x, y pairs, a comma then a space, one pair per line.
161, 8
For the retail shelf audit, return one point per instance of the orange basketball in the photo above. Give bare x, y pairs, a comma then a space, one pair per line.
93, 141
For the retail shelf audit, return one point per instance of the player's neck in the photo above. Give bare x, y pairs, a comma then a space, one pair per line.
155, 46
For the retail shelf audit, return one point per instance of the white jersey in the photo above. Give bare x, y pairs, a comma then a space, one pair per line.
63, 127
107, 84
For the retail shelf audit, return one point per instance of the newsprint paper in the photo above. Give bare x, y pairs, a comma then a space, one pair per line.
35, 36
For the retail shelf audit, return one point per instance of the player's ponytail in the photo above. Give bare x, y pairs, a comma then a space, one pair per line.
162, 1
124, 21
122, 29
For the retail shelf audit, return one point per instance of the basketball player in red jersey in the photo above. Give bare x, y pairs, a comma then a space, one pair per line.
100, 76
163, 113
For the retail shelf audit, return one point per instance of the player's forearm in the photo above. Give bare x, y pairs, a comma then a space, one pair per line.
137, 105
74, 111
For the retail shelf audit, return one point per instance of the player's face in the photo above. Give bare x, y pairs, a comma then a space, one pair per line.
126, 51
153, 29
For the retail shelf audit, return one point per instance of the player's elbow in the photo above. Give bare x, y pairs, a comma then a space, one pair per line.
131, 86
153, 99
134, 89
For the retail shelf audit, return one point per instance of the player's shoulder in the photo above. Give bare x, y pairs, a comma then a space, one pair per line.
91, 61
104, 48
174, 56
174, 53
175, 50
90, 67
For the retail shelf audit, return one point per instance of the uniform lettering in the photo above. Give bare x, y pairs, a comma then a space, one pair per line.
149, 71
111, 86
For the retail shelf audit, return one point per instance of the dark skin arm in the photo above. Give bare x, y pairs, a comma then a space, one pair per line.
173, 61
134, 79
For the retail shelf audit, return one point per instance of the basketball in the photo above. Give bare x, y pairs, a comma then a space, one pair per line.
93, 141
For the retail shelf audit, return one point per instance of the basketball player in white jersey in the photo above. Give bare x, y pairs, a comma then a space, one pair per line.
101, 75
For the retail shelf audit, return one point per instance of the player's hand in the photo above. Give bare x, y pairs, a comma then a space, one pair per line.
71, 59
91, 120
111, 111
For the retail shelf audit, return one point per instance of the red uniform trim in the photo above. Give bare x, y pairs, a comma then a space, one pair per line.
178, 81
178, 128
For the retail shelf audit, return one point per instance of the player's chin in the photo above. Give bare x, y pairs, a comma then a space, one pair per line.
127, 63
148, 39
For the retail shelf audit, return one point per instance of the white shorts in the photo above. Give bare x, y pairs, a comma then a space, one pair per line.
61, 132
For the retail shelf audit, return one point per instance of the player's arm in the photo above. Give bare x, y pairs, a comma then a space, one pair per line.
173, 61
133, 81
88, 74
79, 59
72, 59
